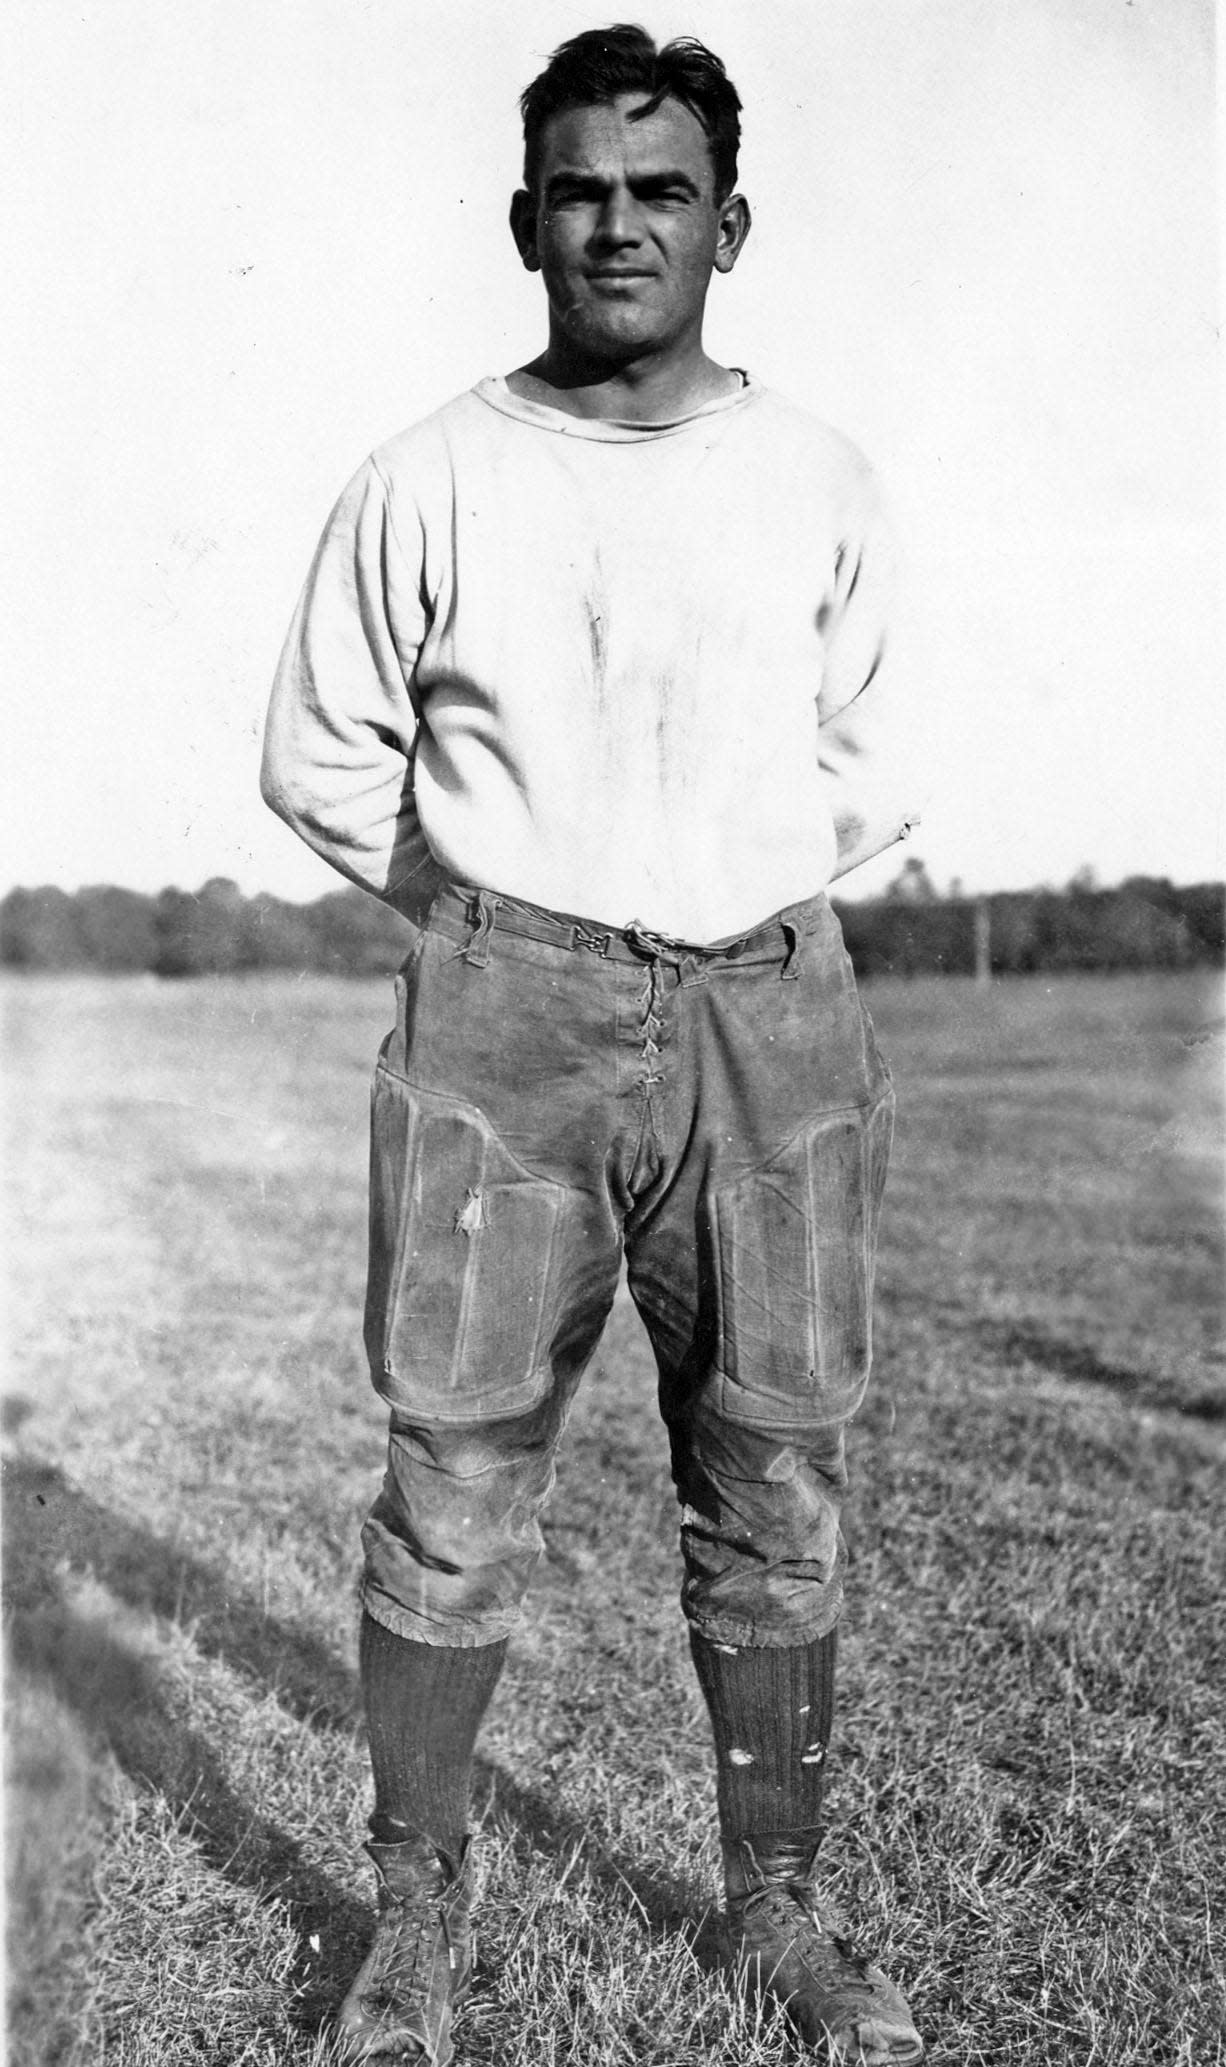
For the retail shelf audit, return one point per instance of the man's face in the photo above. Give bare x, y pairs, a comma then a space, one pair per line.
625, 228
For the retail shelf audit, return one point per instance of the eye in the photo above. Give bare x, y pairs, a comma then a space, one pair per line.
572, 194
677, 196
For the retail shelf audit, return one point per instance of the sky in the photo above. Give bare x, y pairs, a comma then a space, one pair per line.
252, 238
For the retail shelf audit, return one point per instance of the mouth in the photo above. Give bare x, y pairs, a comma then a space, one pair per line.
619, 275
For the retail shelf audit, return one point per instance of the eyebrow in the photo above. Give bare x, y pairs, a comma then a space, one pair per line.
669, 176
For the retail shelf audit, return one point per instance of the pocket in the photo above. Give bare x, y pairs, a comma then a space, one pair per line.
795, 1247
462, 1247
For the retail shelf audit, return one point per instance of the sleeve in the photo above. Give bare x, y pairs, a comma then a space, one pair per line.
869, 745
341, 735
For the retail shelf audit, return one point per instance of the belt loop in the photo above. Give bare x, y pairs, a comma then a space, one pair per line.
791, 961
478, 950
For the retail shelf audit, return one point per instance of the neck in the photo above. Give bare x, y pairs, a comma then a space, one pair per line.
647, 390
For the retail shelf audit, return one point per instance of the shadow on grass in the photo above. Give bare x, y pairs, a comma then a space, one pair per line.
665, 1903
53, 1527
1195, 1396
49, 1521
1081, 1364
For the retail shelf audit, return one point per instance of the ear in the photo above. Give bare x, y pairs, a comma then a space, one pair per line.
523, 229
735, 223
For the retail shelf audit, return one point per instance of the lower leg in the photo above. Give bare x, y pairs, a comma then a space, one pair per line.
771, 1712
424, 1706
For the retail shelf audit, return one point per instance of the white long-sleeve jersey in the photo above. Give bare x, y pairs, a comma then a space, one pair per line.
632, 671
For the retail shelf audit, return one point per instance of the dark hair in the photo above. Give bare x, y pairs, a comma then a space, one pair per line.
595, 67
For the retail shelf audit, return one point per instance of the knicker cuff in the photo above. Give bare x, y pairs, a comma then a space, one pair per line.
448, 1630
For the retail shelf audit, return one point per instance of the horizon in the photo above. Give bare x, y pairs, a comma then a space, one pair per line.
1084, 881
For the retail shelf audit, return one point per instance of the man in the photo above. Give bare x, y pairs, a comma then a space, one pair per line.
582, 682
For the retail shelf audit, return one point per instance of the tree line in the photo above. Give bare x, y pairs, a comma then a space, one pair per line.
1146, 922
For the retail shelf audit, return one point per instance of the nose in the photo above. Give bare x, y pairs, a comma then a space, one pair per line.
618, 224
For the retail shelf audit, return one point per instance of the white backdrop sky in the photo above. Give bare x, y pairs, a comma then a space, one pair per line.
251, 238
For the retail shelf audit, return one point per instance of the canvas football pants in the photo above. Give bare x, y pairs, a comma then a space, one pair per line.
555, 1095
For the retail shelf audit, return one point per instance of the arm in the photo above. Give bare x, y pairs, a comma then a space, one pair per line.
867, 744
341, 735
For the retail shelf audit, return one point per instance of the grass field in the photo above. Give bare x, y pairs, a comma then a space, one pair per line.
1027, 1800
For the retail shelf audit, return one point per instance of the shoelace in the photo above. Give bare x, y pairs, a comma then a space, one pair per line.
780, 1904
412, 1923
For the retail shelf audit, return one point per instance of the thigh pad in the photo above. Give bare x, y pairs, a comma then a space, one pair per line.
794, 1246
463, 1245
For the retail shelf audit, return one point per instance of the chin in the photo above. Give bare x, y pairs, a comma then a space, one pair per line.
606, 340
605, 327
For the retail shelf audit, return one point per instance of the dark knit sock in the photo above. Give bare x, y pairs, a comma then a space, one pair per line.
771, 1712
424, 1705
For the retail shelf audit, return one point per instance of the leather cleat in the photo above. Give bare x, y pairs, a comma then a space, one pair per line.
784, 1941
419, 1966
